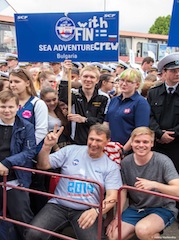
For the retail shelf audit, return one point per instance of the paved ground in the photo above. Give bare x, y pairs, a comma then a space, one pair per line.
170, 233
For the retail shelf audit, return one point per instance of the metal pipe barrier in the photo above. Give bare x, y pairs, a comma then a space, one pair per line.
138, 190
4, 185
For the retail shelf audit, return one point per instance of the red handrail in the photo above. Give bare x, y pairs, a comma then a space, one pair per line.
138, 190
5, 185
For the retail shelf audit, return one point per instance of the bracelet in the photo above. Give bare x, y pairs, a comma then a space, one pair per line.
97, 210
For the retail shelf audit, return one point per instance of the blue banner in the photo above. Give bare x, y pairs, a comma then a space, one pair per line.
54, 37
173, 40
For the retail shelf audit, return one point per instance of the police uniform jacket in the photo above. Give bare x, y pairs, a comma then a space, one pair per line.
164, 110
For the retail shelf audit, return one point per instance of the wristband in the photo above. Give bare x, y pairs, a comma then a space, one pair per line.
97, 210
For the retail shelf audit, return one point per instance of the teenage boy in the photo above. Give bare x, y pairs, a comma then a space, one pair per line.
88, 106
147, 215
17, 148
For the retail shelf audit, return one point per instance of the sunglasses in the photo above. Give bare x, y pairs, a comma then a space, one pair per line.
20, 70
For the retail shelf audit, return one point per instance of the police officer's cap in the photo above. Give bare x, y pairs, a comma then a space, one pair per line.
170, 61
105, 68
11, 56
77, 64
123, 64
3, 63
24, 64
96, 64
4, 75
113, 66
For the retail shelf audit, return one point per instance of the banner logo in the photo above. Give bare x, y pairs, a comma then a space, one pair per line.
65, 29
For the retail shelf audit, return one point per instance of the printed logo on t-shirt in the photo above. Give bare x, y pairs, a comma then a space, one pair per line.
127, 110
80, 190
75, 162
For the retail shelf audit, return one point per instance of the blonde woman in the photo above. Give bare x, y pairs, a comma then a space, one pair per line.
128, 110
45, 78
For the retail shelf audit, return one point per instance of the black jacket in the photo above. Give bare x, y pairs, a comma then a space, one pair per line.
93, 110
164, 116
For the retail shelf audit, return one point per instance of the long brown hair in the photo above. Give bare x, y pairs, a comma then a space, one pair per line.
58, 110
26, 77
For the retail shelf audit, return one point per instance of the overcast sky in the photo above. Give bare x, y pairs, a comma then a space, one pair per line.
135, 15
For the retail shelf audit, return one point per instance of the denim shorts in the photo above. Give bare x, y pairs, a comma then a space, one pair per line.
132, 216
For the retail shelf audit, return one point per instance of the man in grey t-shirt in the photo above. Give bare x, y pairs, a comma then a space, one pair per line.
147, 215
87, 162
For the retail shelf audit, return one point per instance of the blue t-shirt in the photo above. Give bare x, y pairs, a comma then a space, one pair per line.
125, 115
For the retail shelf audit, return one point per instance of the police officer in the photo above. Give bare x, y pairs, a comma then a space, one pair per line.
164, 102
121, 66
12, 61
3, 66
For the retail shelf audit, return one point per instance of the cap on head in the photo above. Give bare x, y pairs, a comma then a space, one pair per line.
170, 61
96, 64
123, 64
113, 66
24, 64
3, 63
77, 64
106, 68
4, 75
11, 56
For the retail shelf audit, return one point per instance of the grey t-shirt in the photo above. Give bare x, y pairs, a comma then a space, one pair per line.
75, 161
160, 168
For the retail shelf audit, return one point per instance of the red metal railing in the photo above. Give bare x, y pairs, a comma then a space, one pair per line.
5, 185
138, 190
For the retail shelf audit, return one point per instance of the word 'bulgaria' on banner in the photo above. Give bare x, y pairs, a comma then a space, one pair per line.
54, 37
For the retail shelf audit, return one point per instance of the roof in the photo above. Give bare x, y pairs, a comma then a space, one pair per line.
6, 19
143, 35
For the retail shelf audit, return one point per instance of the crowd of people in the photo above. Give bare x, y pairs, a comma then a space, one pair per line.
119, 127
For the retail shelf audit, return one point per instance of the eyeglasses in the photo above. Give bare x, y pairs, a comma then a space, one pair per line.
126, 81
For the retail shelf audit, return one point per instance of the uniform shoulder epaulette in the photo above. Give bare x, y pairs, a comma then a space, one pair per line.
158, 84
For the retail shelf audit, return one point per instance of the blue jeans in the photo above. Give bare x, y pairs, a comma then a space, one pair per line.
55, 218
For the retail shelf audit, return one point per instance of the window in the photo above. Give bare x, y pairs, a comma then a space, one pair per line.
7, 38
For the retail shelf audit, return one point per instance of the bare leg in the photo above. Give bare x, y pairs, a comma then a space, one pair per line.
149, 227
127, 232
